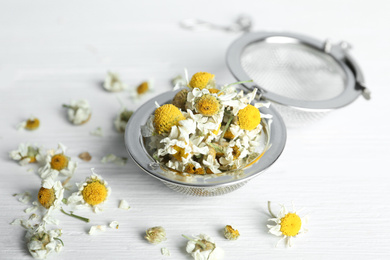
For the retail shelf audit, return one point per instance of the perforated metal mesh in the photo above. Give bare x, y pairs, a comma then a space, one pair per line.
205, 192
293, 70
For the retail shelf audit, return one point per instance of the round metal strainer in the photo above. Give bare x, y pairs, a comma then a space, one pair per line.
304, 78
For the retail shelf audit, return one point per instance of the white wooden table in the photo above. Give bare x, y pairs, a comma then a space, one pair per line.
52, 52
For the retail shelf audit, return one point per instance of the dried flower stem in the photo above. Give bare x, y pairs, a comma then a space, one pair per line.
75, 216
226, 128
269, 209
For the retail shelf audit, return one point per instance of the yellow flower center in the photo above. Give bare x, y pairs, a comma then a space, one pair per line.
59, 162
248, 117
94, 193
46, 197
201, 80
190, 168
32, 124
228, 135
142, 88
31, 154
208, 171
236, 152
290, 224
231, 233
215, 91
180, 153
165, 117
207, 105
199, 171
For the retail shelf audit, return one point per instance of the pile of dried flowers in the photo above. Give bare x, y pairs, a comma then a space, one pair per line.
207, 129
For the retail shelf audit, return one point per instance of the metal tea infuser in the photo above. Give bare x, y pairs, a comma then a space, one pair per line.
304, 78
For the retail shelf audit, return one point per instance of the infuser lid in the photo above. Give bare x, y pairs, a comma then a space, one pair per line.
296, 70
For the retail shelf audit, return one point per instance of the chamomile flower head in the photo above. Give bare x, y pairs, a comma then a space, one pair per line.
230, 233
155, 235
165, 117
113, 83
50, 197
248, 118
41, 242
27, 153
93, 192
57, 162
180, 99
143, 88
122, 119
202, 80
30, 124
289, 224
203, 247
79, 111
207, 105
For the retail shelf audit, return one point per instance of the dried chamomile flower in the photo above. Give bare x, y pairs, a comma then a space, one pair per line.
30, 124
248, 118
97, 132
288, 224
202, 80
79, 111
93, 192
155, 235
124, 205
57, 162
180, 99
114, 159
231, 233
85, 156
42, 243
122, 119
27, 153
50, 197
203, 247
165, 117
142, 89
94, 230
113, 82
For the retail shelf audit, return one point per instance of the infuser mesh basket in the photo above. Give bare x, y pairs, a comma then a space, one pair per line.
303, 77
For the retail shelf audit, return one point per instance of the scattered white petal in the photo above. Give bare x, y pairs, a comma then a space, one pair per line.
97, 229
97, 132
114, 225
124, 205
165, 251
114, 159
